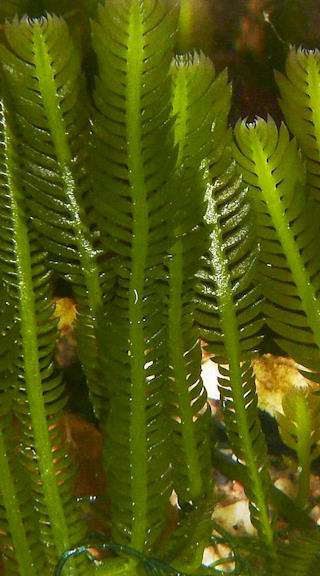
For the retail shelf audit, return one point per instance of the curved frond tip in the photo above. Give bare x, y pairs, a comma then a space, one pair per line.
300, 96
272, 167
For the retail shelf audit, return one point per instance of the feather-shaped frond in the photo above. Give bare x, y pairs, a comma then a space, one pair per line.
229, 316
52, 114
132, 147
289, 230
38, 393
133, 162
199, 103
299, 427
194, 99
301, 410
231, 259
300, 97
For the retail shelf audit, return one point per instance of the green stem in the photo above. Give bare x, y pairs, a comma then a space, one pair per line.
138, 437
33, 383
180, 110
177, 350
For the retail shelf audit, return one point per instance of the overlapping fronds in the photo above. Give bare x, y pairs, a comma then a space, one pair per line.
20, 540
300, 557
185, 547
194, 98
300, 95
52, 115
133, 161
289, 229
229, 315
38, 396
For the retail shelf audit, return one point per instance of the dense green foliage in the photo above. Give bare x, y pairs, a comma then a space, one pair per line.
168, 228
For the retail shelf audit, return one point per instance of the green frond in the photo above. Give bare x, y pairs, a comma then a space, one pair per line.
300, 408
194, 99
38, 393
184, 549
200, 107
132, 130
300, 95
229, 267
133, 160
193, 102
187, 400
300, 557
271, 165
229, 316
299, 427
20, 539
49, 99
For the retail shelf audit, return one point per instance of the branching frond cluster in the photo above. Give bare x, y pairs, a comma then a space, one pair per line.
169, 229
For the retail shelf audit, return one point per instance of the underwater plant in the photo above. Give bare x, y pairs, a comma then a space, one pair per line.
169, 229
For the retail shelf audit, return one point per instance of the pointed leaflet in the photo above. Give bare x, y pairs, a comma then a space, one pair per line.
38, 396
52, 114
229, 315
133, 162
300, 97
195, 95
289, 230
